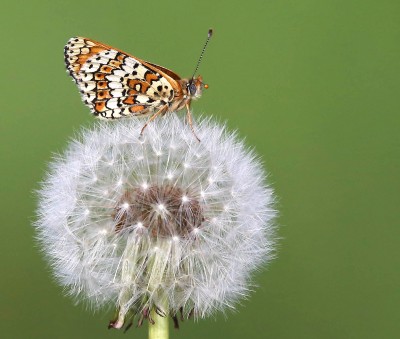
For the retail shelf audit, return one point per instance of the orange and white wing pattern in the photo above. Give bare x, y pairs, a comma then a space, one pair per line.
114, 84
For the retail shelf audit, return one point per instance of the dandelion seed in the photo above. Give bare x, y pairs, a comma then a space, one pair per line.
149, 243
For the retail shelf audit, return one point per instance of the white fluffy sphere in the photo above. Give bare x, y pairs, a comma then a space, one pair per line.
160, 221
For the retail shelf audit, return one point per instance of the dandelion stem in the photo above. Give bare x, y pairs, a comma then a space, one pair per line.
158, 330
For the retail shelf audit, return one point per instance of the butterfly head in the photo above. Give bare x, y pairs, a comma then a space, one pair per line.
195, 87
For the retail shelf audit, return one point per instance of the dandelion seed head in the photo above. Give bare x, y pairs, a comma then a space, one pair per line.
171, 219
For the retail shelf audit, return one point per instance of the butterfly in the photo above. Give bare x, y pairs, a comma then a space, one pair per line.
115, 84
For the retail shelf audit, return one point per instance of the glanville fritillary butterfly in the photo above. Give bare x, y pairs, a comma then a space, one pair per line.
115, 84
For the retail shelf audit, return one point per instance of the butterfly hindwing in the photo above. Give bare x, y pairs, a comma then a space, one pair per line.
115, 84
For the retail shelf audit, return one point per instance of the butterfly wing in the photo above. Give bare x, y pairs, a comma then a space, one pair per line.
114, 84
164, 70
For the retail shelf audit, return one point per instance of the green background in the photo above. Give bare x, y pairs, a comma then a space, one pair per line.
313, 85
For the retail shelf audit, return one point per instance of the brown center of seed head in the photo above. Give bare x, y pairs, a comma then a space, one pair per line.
164, 210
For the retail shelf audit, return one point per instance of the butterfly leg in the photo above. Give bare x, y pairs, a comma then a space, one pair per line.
155, 115
189, 118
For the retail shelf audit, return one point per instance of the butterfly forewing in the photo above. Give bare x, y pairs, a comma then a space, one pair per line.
115, 84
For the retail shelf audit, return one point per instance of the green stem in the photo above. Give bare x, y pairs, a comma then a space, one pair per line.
157, 266
158, 330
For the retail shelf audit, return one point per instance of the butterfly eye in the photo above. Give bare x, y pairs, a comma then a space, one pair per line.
192, 88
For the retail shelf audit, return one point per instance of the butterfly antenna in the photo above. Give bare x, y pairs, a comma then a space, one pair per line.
210, 32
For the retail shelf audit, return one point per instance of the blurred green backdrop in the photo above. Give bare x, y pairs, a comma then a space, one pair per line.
313, 85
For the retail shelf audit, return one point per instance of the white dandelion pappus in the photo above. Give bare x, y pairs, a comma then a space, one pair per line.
156, 222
